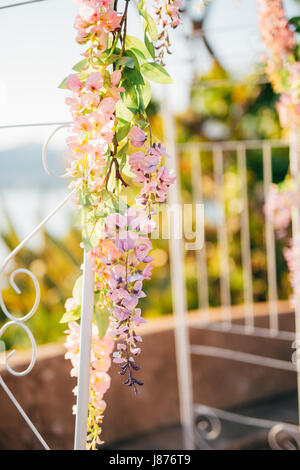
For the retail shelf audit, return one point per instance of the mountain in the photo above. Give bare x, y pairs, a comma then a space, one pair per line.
22, 166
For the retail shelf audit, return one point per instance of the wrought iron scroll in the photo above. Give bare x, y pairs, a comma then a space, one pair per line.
208, 428
20, 321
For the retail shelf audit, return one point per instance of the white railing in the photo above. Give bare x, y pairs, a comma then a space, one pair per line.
184, 349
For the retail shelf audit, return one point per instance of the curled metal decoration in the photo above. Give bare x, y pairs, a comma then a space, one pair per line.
208, 426
281, 436
20, 321
11, 353
284, 437
17, 290
45, 149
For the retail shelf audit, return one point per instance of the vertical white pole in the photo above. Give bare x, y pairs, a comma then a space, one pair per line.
203, 294
245, 240
222, 238
178, 293
84, 352
295, 164
271, 249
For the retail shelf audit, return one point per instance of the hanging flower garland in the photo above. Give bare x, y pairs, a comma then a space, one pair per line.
283, 69
283, 65
112, 149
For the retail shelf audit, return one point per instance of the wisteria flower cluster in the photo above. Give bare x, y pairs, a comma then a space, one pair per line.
292, 256
278, 207
283, 69
283, 66
111, 147
167, 15
99, 379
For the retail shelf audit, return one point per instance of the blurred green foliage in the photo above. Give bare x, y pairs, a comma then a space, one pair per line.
216, 113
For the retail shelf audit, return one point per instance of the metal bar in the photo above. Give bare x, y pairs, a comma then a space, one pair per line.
294, 164
240, 330
86, 325
231, 145
222, 238
184, 373
219, 82
242, 357
242, 419
21, 4
37, 228
245, 239
37, 124
23, 414
202, 277
270, 244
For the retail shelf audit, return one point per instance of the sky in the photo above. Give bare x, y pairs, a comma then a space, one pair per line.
38, 50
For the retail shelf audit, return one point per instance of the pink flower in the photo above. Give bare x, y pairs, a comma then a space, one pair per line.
100, 383
107, 106
73, 83
114, 222
137, 136
137, 289
88, 12
292, 256
125, 240
164, 179
147, 271
278, 208
81, 123
71, 304
88, 100
94, 82
137, 318
116, 77
74, 104
117, 277
110, 21
142, 248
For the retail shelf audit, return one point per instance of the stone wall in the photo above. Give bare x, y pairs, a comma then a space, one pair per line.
46, 393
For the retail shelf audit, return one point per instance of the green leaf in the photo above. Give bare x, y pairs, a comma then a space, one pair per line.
130, 99
142, 124
77, 289
137, 54
81, 65
123, 130
106, 80
132, 42
155, 72
122, 151
134, 77
149, 46
72, 315
102, 320
295, 21
63, 84
123, 112
127, 61
151, 28
297, 51
84, 198
144, 95
113, 203
119, 204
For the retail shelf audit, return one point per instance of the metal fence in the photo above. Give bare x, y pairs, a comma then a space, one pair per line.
195, 416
